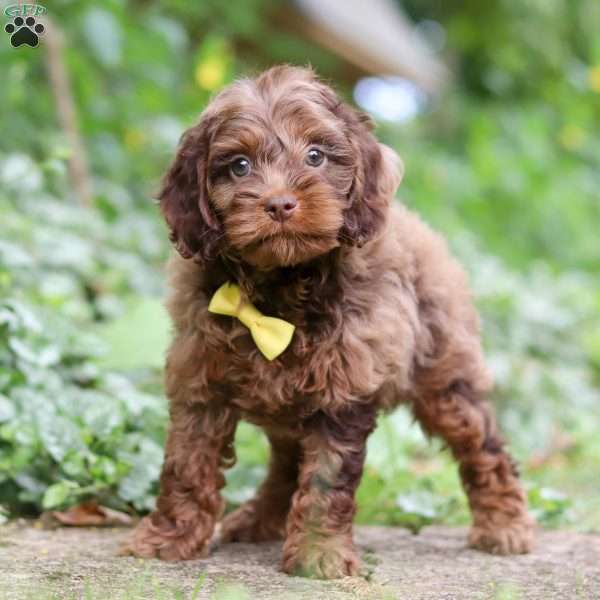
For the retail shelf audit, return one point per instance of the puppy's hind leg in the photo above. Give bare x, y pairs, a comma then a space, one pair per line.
263, 518
501, 523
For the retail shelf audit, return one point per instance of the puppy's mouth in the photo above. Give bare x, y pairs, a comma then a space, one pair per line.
287, 247
285, 232
278, 234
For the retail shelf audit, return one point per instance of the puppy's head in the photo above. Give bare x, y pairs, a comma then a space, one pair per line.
277, 172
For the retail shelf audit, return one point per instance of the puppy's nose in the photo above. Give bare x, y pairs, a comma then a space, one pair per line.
280, 208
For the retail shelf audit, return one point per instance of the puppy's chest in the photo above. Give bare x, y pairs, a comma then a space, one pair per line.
325, 365
244, 346
244, 337
292, 383
347, 343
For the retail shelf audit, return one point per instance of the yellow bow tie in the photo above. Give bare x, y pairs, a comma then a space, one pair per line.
271, 335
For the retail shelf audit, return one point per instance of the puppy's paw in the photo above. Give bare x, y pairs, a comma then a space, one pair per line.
246, 525
319, 561
512, 538
167, 543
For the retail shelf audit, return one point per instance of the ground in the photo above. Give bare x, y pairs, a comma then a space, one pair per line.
74, 563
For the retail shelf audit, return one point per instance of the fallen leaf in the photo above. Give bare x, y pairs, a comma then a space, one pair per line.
91, 514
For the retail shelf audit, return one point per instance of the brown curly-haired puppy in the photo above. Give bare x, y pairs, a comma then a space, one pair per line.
283, 189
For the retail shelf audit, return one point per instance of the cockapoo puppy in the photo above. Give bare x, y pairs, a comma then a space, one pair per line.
306, 301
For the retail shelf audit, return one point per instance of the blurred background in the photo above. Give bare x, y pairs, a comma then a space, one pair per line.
494, 107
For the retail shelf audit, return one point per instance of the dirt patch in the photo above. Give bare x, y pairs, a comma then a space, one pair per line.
434, 565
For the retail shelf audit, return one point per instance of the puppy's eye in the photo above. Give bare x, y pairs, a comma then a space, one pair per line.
314, 157
240, 166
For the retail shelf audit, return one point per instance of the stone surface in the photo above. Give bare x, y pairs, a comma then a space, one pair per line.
434, 565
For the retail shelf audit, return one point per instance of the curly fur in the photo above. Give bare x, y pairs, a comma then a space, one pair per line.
383, 316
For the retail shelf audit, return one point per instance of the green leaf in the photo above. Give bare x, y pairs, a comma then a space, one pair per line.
103, 34
7, 409
57, 494
58, 434
421, 504
139, 338
145, 468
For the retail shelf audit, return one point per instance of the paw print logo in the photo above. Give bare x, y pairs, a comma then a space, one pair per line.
24, 31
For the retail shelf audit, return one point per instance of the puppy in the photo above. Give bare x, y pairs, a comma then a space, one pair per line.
280, 204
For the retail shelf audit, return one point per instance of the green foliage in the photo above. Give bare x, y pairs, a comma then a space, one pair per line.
520, 151
69, 429
66, 424
506, 164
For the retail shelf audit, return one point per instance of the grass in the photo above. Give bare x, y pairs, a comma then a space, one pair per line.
148, 587
507, 591
144, 586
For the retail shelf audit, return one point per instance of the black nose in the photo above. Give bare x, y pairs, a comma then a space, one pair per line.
280, 208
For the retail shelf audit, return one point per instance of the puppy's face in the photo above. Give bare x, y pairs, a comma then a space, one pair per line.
277, 172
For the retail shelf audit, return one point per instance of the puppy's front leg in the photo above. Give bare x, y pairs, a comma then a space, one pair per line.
199, 446
319, 527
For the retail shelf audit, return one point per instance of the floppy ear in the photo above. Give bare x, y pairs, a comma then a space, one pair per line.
377, 174
184, 203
